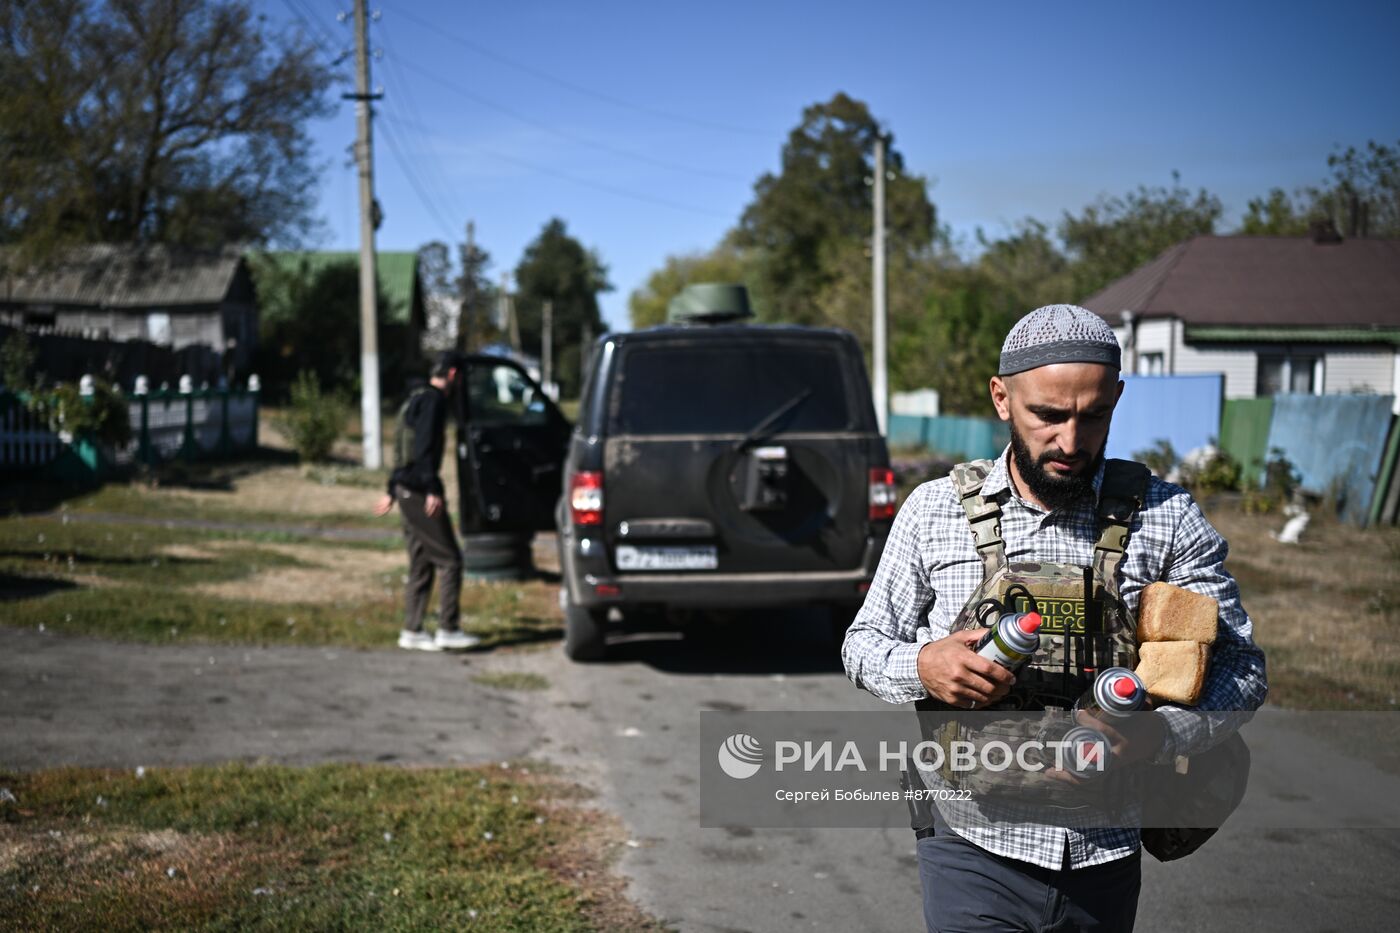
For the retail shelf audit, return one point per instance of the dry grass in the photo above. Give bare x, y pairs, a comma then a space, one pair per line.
328, 575
1326, 611
171, 585
329, 847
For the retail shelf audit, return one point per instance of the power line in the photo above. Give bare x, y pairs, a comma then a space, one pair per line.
324, 38
592, 144
325, 41
428, 203
589, 183
578, 88
437, 177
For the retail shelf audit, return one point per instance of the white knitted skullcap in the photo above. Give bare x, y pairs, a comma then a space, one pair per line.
1059, 334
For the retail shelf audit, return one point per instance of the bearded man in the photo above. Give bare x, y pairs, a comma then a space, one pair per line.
1039, 512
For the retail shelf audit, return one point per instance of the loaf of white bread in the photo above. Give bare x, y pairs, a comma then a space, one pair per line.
1176, 628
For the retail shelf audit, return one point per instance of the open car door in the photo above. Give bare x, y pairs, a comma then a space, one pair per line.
511, 441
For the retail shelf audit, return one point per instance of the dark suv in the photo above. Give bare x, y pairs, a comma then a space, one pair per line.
721, 465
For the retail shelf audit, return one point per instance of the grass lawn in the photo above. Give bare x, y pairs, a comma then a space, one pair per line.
1326, 611
330, 847
169, 585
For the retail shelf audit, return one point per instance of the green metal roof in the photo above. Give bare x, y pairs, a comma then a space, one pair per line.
1240, 334
396, 273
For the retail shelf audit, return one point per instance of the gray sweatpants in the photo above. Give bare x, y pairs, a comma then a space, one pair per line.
432, 546
967, 888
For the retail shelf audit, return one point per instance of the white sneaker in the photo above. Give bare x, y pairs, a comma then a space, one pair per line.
454, 639
417, 641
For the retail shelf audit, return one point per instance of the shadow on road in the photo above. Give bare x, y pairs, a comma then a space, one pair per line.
797, 641
17, 587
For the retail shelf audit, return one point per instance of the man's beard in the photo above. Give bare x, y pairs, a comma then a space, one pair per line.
1055, 491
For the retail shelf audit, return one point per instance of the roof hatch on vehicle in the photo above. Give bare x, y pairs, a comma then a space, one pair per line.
709, 303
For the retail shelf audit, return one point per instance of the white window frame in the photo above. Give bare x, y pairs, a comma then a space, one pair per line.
1288, 356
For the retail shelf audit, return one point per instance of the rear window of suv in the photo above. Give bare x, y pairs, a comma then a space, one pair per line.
728, 388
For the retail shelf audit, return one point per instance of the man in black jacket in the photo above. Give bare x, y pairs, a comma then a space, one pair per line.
417, 488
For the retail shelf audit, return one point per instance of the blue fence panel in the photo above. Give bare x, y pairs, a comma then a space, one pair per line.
952, 435
1336, 442
1184, 410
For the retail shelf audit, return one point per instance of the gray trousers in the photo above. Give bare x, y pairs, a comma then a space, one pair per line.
432, 546
967, 888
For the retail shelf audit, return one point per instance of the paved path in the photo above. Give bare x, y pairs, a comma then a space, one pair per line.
630, 728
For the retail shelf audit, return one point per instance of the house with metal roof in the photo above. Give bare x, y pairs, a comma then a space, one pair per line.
401, 309
396, 273
166, 296
1275, 315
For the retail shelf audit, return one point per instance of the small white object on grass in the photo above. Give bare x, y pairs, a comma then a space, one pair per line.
140, 771
1295, 526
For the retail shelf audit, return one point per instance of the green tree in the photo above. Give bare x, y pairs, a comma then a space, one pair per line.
1275, 214
439, 295
557, 268
17, 359
461, 295
1369, 176
1025, 269
176, 121
802, 222
309, 319
476, 295
1115, 235
725, 263
955, 344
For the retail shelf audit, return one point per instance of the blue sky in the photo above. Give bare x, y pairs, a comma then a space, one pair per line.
644, 125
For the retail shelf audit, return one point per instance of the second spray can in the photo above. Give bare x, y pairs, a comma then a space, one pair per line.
1116, 692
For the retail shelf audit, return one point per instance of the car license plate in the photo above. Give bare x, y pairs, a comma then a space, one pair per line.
673, 557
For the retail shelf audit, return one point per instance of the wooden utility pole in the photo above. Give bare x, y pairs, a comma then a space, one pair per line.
547, 344
369, 331
466, 319
585, 354
878, 364
511, 321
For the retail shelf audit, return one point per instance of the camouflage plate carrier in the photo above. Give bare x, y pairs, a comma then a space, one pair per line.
1085, 626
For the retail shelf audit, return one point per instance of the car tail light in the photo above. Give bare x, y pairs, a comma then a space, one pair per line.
586, 497
882, 494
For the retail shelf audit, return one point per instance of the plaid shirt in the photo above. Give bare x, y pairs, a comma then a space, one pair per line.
930, 569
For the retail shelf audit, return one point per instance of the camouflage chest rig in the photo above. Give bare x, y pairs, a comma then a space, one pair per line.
1085, 626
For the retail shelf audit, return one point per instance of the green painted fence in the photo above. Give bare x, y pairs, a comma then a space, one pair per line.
1244, 431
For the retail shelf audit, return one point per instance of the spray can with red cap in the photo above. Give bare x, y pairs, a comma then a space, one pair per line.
1116, 692
1012, 640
